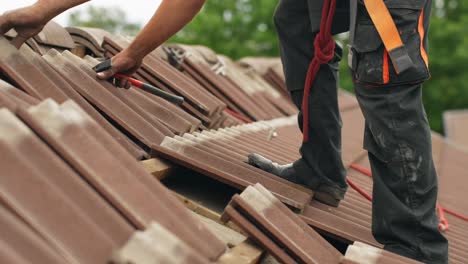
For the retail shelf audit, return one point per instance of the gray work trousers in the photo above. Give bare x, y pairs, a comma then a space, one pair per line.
397, 134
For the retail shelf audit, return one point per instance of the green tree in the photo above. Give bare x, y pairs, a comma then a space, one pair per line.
239, 28
448, 56
236, 28
112, 19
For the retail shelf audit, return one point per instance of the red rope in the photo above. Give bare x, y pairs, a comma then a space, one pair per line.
361, 170
359, 190
450, 212
238, 116
324, 51
443, 222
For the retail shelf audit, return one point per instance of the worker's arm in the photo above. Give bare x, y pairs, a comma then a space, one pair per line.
29, 21
171, 16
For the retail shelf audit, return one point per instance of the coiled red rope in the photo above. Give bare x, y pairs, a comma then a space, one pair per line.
324, 51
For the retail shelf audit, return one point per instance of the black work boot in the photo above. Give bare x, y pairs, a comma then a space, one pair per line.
328, 195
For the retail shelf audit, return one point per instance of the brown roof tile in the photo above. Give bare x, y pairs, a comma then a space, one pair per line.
30, 194
55, 36
157, 245
71, 93
283, 227
160, 69
366, 254
231, 214
18, 238
200, 153
124, 184
91, 38
103, 96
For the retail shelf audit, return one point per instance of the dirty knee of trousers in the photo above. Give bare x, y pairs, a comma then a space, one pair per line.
398, 138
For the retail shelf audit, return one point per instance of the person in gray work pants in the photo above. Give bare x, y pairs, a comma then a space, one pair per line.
397, 134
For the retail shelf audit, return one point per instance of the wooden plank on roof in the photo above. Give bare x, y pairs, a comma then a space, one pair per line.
200, 209
79, 50
246, 252
158, 168
229, 236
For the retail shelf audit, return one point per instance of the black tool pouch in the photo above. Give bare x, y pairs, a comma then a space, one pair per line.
371, 64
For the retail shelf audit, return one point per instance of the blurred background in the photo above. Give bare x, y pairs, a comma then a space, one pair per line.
240, 28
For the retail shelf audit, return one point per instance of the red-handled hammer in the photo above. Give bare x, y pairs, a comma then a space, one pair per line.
107, 65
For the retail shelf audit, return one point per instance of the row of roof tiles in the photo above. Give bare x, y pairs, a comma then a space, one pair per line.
144, 125
76, 188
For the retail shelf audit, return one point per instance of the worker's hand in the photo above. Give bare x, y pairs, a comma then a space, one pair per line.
27, 22
121, 63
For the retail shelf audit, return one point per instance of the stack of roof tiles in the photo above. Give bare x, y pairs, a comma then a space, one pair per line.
274, 226
277, 228
67, 123
270, 69
160, 73
74, 193
89, 38
53, 36
218, 92
242, 89
222, 154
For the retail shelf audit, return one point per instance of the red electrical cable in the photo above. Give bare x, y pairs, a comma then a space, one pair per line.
324, 46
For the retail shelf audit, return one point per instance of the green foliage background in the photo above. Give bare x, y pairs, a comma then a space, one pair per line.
111, 19
237, 28
241, 28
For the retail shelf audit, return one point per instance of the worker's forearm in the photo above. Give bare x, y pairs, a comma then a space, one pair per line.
51, 8
171, 16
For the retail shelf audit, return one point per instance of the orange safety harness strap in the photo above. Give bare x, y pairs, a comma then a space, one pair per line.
389, 34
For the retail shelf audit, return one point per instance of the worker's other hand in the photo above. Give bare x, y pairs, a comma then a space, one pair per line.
122, 63
27, 22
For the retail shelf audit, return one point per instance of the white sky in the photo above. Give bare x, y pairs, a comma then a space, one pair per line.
137, 10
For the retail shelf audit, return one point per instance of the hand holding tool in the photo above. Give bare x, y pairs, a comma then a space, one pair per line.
107, 65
